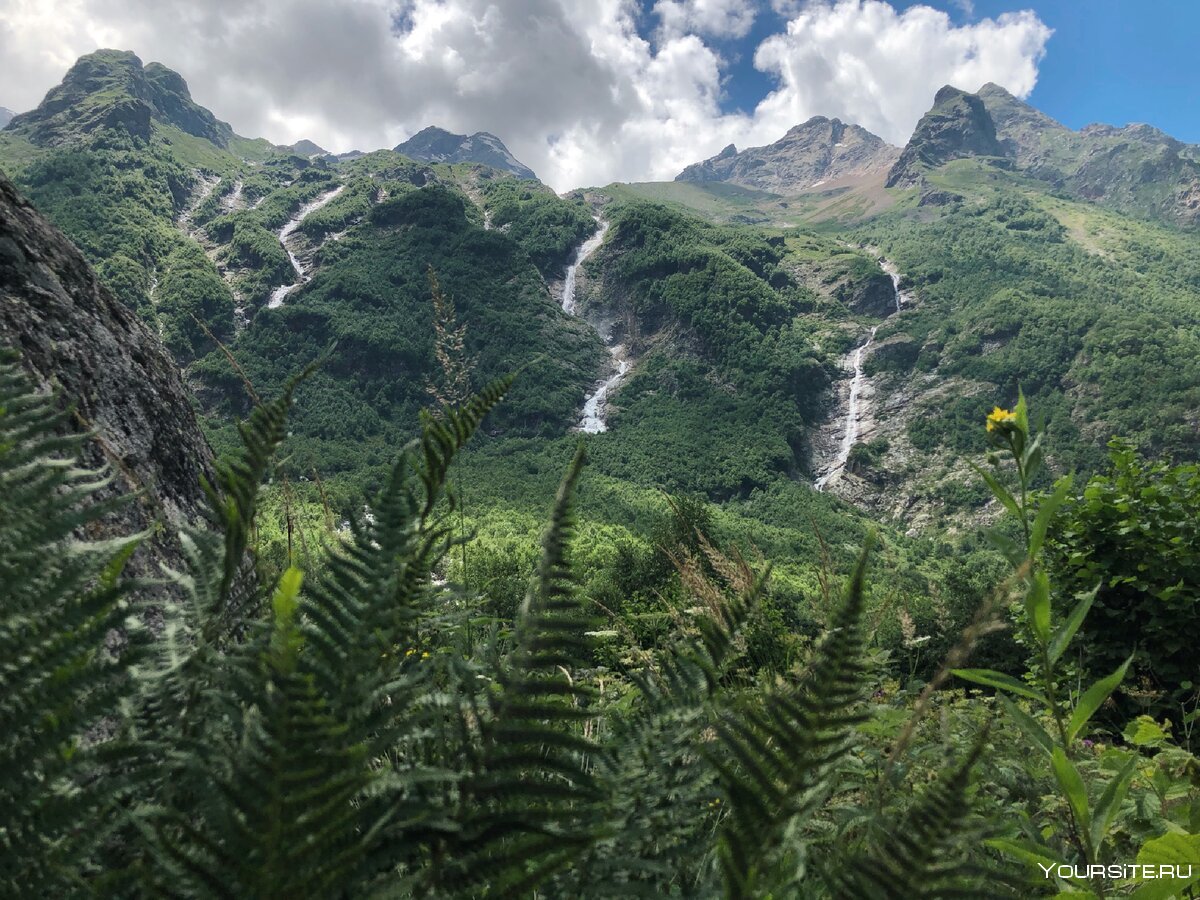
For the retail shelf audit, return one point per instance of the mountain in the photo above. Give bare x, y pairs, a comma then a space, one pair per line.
307, 148
957, 126
1135, 168
124, 389
6, 115
437, 145
112, 89
731, 321
820, 150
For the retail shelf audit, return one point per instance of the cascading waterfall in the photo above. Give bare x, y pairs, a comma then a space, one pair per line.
853, 416
595, 405
889, 269
586, 249
854, 411
280, 293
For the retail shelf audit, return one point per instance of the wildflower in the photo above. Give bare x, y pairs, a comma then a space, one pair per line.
425, 655
1000, 419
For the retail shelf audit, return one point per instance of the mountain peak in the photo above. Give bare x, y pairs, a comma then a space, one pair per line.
307, 148
111, 89
6, 115
809, 154
433, 144
957, 126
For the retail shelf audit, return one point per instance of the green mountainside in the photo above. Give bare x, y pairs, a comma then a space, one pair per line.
738, 311
966, 374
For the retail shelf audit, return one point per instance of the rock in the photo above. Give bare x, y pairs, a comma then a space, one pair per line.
441, 146
939, 198
77, 338
817, 151
958, 126
872, 295
895, 353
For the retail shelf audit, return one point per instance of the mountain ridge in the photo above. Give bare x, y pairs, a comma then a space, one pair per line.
818, 150
433, 144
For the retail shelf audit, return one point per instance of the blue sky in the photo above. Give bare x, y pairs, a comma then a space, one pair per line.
1112, 61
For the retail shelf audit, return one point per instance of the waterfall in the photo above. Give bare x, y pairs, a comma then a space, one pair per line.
280, 293
889, 269
596, 403
853, 416
586, 249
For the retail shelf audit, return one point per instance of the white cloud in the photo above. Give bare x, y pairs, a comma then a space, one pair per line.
573, 88
867, 63
716, 18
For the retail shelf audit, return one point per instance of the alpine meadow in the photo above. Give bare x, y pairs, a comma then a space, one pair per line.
821, 523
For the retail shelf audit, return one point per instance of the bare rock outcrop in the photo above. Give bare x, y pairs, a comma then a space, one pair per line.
75, 337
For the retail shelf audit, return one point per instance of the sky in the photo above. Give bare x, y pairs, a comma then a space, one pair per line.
592, 91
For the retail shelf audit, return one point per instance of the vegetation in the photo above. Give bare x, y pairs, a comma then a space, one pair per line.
1095, 318
359, 728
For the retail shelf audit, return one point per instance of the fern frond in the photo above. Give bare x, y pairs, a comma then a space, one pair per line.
923, 852
518, 821
775, 751
60, 600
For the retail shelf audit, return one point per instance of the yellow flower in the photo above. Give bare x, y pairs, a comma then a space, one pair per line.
999, 419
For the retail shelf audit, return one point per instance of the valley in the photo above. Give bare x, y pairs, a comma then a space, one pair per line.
923, 388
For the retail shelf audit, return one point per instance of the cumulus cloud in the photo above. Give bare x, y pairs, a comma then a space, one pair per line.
578, 90
880, 67
718, 18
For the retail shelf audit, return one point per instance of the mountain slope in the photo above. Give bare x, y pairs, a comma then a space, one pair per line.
437, 145
817, 151
6, 115
1136, 168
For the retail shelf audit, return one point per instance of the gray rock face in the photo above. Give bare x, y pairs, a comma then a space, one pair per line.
819, 150
77, 338
958, 126
6, 115
440, 146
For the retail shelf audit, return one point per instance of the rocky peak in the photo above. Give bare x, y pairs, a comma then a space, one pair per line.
6, 115
957, 126
307, 148
814, 152
172, 102
77, 338
437, 145
111, 89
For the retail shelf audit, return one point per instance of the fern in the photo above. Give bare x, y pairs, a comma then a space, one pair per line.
60, 599
923, 852
336, 740
776, 751
531, 775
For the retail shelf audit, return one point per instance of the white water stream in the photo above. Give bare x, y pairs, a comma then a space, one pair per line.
854, 411
280, 293
595, 404
854, 415
889, 269
586, 249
